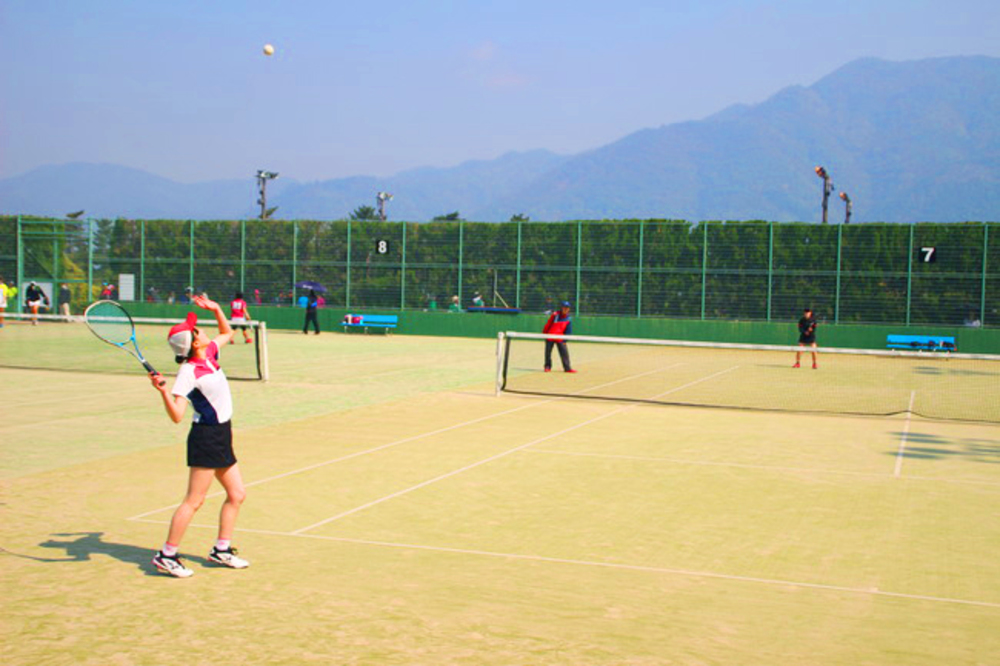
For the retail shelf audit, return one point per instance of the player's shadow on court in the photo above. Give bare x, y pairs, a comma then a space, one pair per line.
83, 546
923, 446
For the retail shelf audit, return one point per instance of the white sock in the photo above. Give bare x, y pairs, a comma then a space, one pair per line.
222, 544
169, 550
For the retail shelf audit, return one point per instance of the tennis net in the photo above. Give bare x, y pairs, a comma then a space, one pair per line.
65, 343
937, 385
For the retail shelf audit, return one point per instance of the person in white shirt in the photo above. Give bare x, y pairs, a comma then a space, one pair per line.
201, 381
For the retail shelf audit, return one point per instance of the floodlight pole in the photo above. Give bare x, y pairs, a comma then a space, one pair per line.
847, 207
262, 178
381, 198
827, 188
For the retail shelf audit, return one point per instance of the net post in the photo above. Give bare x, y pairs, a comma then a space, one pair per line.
982, 291
909, 276
500, 345
262, 338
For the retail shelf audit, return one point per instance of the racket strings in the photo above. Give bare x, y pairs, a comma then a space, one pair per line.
110, 322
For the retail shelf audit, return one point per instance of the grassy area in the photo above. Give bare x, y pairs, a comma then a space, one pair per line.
398, 513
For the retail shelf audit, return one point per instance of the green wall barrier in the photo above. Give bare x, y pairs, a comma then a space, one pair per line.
481, 325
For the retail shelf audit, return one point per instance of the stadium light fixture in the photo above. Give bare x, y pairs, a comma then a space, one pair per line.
381, 198
262, 178
827, 188
847, 207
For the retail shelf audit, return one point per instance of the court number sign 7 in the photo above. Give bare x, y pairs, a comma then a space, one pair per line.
928, 255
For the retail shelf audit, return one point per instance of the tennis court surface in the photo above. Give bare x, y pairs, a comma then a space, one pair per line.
400, 513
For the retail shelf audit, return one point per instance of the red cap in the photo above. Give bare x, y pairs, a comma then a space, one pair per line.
180, 336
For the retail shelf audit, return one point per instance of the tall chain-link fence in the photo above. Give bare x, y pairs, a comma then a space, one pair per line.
867, 273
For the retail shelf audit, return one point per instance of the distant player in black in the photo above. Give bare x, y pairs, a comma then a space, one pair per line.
807, 335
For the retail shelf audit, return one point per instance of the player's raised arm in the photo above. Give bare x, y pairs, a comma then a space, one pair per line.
225, 330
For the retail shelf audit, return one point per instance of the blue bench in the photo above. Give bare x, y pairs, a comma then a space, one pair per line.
943, 343
385, 322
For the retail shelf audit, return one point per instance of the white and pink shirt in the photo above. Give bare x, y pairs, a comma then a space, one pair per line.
204, 384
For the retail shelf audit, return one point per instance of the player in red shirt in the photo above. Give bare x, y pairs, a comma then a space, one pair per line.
559, 323
239, 316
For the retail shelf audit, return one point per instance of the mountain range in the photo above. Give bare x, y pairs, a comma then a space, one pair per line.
909, 141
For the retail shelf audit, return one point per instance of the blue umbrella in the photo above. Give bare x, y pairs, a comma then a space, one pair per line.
309, 284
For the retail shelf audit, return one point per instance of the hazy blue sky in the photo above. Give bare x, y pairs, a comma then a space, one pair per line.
181, 89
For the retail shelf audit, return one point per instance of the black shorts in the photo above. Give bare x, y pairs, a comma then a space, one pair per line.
807, 339
211, 445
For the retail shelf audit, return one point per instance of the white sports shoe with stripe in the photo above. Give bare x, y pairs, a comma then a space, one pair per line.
228, 558
171, 565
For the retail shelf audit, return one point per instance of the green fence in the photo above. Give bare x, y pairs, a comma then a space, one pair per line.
947, 274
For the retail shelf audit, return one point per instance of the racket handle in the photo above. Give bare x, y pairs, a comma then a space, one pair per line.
151, 371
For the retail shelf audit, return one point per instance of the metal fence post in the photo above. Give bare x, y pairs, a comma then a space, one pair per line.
20, 266
638, 297
770, 265
295, 256
243, 256
909, 277
517, 294
704, 265
982, 292
836, 298
461, 258
90, 260
191, 253
142, 258
579, 258
347, 295
402, 273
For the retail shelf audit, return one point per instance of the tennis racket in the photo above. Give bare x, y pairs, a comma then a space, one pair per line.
111, 323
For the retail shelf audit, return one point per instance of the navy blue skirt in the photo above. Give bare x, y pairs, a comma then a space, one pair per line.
211, 445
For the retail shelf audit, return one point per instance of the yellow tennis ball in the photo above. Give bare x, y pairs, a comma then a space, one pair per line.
268, 49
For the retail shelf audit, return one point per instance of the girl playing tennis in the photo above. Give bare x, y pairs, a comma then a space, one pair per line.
201, 382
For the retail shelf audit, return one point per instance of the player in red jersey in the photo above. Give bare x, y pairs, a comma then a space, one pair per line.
239, 315
560, 323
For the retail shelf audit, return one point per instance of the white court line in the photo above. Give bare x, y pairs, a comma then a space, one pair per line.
500, 455
906, 434
613, 565
412, 438
777, 468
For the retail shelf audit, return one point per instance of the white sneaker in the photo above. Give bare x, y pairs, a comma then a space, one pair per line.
228, 558
171, 565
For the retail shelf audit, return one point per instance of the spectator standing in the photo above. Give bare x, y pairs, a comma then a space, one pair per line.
3, 299
312, 304
455, 305
64, 299
35, 298
477, 300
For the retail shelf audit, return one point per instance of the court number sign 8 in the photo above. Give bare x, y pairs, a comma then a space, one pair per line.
382, 247
928, 255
